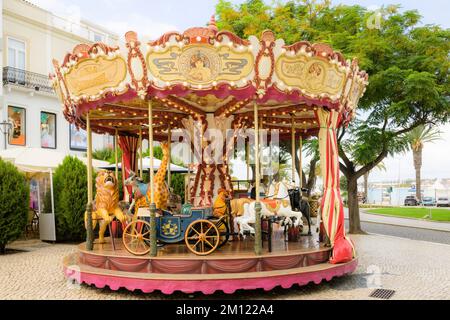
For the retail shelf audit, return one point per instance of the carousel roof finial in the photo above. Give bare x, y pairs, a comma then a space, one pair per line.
212, 23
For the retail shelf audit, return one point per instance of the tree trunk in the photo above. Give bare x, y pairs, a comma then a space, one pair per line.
366, 186
417, 155
353, 206
2, 249
312, 178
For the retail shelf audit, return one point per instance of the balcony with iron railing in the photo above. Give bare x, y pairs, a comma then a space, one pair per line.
26, 79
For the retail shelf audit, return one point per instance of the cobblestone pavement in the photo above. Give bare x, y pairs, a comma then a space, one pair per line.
406, 232
414, 269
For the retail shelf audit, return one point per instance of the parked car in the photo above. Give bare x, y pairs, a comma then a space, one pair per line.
411, 201
443, 202
428, 202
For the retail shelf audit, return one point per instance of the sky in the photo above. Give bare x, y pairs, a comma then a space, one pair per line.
151, 18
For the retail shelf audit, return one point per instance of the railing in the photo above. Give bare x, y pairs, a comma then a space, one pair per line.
241, 185
26, 79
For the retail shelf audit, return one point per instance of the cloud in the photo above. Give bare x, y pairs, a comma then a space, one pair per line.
145, 27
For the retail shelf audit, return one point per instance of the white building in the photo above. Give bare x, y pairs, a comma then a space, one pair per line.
31, 38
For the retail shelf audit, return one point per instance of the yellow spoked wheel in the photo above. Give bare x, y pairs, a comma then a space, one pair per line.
136, 237
202, 237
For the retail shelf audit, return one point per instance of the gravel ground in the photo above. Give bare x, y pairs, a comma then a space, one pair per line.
414, 269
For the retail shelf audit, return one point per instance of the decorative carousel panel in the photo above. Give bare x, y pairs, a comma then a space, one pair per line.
91, 76
356, 92
201, 65
313, 75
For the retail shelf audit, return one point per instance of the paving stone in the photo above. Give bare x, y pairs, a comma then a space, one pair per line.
414, 269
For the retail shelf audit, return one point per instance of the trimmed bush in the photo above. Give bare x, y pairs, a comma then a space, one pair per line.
70, 192
14, 204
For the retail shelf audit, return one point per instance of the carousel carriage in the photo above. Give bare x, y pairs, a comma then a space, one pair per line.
197, 227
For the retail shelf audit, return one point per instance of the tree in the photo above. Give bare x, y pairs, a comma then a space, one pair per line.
14, 204
70, 192
408, 66
416, 139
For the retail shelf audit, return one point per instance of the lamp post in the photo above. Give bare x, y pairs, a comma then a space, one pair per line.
5, 128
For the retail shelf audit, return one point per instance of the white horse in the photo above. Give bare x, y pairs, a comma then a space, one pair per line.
277, 204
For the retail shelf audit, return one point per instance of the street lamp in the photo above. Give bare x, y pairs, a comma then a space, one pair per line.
5, 128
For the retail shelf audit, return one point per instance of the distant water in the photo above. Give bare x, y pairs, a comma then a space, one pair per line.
398, 195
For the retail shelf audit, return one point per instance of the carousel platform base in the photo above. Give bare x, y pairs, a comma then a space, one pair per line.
233, 267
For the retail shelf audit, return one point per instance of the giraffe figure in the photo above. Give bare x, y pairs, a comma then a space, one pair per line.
161, 193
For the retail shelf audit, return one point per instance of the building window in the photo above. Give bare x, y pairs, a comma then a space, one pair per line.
16, 54
17, 116
98, 37
48, 130
78, 138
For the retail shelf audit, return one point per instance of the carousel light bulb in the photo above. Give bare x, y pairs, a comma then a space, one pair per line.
185, 84
214, 83
250, 48
199, 38
230, 44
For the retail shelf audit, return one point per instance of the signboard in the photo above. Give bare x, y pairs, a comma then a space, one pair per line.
200, 64
91, 76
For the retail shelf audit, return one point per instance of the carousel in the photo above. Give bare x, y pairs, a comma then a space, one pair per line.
210, 90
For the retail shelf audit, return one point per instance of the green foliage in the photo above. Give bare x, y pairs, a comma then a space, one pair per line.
421, 135
177, 184
14, 204
408, 64
70, 192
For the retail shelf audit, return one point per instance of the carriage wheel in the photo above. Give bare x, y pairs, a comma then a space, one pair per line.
136, 238
202, 237
224, 229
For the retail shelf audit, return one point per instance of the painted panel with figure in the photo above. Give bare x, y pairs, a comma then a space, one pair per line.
17, 117
78, 139
48, 130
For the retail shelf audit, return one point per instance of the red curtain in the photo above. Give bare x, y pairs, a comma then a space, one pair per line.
129, 146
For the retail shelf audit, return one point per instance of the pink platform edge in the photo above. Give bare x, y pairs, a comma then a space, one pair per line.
208, 287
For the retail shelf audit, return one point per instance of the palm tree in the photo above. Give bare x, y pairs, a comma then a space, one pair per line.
417, 138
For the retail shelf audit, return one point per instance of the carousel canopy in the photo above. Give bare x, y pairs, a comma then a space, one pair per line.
203, 71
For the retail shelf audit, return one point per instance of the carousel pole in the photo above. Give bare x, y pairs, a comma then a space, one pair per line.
169, 142
89, 229
258, 233
141, 172
153, 244
116, 153
300, 163
247, 159
293, 149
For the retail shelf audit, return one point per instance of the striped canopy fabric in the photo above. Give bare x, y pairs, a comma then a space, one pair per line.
332, 207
